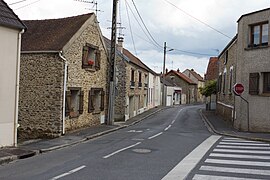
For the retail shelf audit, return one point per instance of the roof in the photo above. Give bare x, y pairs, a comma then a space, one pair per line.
212, 69
182, 76
51, 34
228, 45
196, 75
8, 18
253, 13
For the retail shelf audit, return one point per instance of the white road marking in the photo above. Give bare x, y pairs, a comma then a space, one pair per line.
209, 177
68, 173
245, 144
166, 129
134, 131
242, 147
242, 141
238, 156
243, 163
181, 170
173, 122
241, 151
155, 135
236, 170
120, 150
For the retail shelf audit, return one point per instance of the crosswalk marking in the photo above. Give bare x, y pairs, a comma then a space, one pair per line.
241, 151
242, 147
233, 162
240, 156
209, 177
245, 144
237, 140
236, 170
235, 159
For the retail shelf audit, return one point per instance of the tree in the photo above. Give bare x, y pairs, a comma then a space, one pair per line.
209, 89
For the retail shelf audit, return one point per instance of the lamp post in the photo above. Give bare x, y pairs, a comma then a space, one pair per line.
163, 73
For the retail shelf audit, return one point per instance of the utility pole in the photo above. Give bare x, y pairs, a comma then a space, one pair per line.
112, 65
163, 75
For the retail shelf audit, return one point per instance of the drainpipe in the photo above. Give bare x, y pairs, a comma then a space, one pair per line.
65, 87
16, 125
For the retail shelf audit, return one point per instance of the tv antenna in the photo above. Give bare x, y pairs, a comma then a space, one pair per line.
94, 7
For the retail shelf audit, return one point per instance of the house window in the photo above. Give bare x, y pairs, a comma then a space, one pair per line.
74, 102
140, 80
254, 83
266, 82
132, 78
231, 79
259, 34
224, 81
226, 57
219, 82
96, 100
145, 81
91, 57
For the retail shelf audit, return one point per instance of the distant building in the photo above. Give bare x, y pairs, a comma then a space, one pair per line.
11, 29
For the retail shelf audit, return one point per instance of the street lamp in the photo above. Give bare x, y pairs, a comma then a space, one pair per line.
163, 73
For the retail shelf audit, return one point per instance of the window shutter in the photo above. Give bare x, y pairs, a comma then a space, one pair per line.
102, 100
254, 83
84, 56
98, 55
81, 102
68, 98
91, 101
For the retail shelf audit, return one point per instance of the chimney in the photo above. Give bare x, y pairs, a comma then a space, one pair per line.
178, 70
120, 41
192, 69
166, 71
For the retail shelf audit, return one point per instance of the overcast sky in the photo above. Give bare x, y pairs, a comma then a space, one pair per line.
202, 27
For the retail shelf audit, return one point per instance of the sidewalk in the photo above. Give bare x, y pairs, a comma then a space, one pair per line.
222, 127
34, 147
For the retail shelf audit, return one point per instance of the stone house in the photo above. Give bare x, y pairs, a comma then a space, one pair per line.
226, 80
64, 75
211, 75
253, 71
195, 77
11, 29
189, 87
172, 92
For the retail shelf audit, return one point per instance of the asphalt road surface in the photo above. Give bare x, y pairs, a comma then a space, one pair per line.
167, 145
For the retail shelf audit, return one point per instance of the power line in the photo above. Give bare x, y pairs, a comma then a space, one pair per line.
16, 2
190, 52
198, 20
142, 27
145, 26
27, 5
130, 29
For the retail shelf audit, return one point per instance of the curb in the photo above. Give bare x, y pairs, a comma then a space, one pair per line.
5, 160
210, 126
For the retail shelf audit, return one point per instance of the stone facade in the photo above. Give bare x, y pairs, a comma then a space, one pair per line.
41, 96
227, 67
45, 81
252, 60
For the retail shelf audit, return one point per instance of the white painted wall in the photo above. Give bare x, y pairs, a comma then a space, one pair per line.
157, 98
8, 76
151, 91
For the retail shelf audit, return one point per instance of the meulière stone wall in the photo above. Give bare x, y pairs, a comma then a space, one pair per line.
120, 98
86, 78
40, 98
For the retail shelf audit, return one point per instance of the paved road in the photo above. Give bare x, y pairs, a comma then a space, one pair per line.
234, 159
148, 150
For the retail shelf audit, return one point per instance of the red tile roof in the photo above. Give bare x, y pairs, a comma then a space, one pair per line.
51, 34
8, 18
212, 69
182, 76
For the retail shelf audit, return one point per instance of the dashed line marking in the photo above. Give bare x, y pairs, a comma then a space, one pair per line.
166, 129
68, 173
155, 135
120, 150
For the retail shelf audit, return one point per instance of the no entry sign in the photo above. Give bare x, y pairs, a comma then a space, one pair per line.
238, 89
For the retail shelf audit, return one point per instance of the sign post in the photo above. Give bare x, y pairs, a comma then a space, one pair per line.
238, 89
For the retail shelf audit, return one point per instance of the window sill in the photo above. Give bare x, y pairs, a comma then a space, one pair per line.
90, 69
132, 87
257, 47
265, 94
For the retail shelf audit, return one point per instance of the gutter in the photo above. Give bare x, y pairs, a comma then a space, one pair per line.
16, 125
64, 93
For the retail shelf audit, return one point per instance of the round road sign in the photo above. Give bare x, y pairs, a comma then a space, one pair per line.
238, 89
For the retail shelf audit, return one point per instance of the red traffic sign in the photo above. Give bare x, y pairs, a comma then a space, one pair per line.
238, 89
